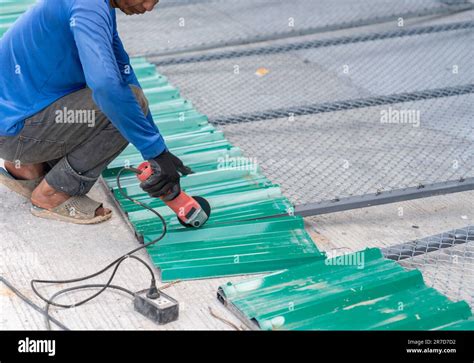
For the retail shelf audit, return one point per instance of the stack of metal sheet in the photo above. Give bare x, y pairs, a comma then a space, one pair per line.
359, 291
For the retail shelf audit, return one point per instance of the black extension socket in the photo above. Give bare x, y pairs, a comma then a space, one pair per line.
162, 310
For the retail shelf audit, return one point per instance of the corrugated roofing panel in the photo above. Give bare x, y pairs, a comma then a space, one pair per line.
231, 249
360, 291
225, 208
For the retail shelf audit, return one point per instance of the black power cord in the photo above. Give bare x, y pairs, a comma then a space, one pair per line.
32, 304
152, 292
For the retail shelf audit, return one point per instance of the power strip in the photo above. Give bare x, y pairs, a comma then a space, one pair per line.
162, 310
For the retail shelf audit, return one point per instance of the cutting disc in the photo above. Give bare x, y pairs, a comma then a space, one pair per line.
206, 207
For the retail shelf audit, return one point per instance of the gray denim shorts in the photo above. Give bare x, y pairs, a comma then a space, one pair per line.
73, 137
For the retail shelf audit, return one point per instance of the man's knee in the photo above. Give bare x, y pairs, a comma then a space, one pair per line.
141, 98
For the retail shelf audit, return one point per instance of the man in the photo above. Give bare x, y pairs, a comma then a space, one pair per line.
63, 63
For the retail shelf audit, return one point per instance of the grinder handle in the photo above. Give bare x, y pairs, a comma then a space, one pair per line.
181, 204
146, 171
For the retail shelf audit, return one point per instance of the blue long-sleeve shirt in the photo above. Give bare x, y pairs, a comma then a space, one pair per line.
60, 46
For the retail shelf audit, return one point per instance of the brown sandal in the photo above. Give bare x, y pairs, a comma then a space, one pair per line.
22, 187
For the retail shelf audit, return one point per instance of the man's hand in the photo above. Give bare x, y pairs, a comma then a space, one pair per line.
165, 179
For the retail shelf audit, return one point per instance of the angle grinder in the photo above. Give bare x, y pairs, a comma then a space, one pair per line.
192, 212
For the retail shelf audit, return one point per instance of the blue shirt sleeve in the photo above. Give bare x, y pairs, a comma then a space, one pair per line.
93, 30
123, 60
126, 69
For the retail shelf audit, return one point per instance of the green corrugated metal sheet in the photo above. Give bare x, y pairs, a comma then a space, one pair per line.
361, 291
244, 205
229, 243
235, 248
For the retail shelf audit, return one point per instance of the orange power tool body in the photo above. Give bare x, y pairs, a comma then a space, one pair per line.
191, 211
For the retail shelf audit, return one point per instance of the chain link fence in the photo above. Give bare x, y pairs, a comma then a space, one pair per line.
184, 25
357, 67
344, 116
446, 261
346, 153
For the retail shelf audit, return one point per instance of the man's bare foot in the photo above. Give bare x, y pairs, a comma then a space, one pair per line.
44, 196
25, 172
